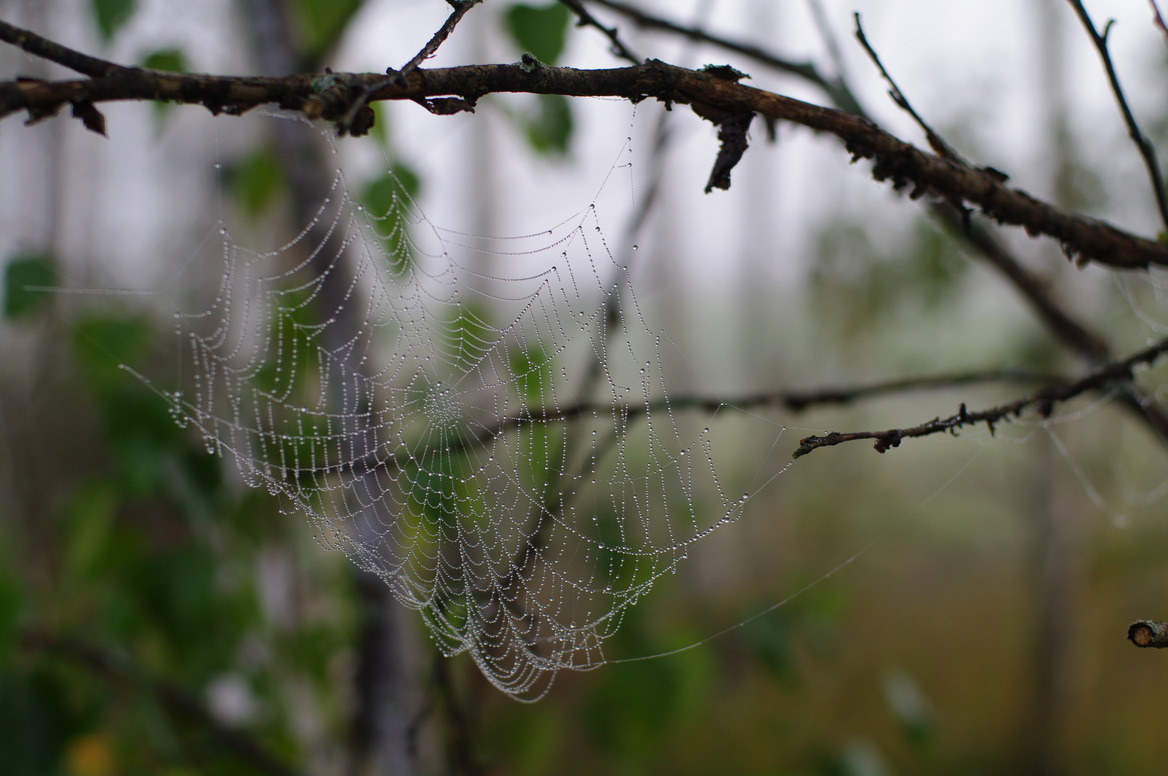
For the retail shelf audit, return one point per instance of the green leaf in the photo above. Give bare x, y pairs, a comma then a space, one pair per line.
170, 59
102, 343
471, 336
532, 369
550, 130
542, 30
255, 181
387, 201
35, 718
89, 521
22, 276
111, 15
12, 604
322, 22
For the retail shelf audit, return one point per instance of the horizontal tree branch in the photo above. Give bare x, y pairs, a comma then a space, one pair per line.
1043, 401
792, 399
715, 98
836, 91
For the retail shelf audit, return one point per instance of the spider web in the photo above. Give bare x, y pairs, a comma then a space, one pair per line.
483, 423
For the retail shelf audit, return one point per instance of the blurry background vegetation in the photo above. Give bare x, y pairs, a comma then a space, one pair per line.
158, 617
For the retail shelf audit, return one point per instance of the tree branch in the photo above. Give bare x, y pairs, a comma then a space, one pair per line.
793, 399
936, 142
1043, 401
836, 91
1147, 151
359, 118
586, 19
1148, 633
331, 97
54, 52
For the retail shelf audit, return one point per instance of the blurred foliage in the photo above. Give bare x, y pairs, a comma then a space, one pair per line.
153, 597
23, 274
866, 281
255, 181
549, 128
542, 31
388, 200
111, 15
321, 23
171, 60
156, 560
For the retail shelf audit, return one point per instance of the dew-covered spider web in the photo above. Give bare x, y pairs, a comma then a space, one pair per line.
483, 423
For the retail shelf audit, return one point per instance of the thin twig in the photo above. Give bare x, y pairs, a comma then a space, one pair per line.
936, 142
54, 52
1061, 322
1147, 151
1069, 331
819, 16
793, 400
1043, 401
1158, 20
836, 91
586, 19
399, 77
431, 47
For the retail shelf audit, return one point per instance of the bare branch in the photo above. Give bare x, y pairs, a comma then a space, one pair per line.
359, 118
431, 47
331, 97
1148, 633
54, 52
1061, 323
586, 19
1147, 151
837, 92
936, 142
1042, 401
1158, 20
1072, 333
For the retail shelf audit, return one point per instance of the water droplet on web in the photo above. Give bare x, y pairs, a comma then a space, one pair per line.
635, 247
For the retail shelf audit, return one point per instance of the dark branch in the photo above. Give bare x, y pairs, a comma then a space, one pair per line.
54, 52
836, 92
358, 119
1037, 292
1158, 20
1147, 151
936, 142
586, 19
173, 698
1148, 633
431, 47
1043, 401
331, 97
1075, 335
